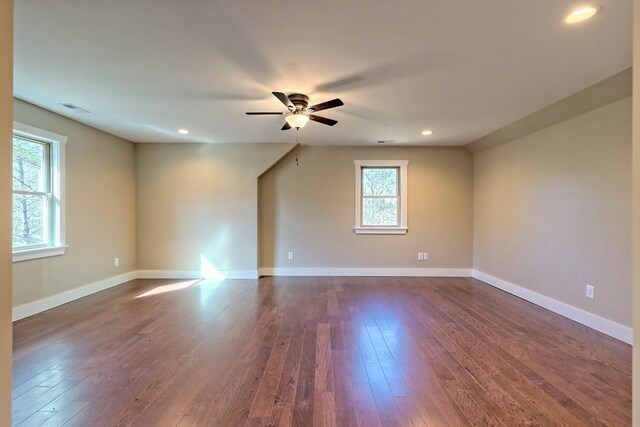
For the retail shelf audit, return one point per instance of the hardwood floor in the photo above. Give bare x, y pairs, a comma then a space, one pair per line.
315, 351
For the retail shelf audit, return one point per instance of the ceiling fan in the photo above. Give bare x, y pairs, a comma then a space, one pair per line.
299, 114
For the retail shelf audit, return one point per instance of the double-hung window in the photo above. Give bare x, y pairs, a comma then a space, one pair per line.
38, 171
381, 197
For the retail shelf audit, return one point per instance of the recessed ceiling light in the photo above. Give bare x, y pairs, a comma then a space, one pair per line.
427, 132
183, 131
582, 14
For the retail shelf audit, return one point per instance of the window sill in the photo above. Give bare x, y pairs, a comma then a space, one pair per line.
380, 230
29, 254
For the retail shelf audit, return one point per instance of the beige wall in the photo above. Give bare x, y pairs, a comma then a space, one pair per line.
200, 199
100, 210
636, 214
6, 94
552, 211
309, 209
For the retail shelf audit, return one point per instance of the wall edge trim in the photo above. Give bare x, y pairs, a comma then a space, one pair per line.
195, 274
47, 303
370, 272
606, 326
593, 321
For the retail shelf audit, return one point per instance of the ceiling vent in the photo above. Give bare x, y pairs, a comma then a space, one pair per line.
74, 108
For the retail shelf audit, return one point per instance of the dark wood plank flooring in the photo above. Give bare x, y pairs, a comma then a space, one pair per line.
332, 351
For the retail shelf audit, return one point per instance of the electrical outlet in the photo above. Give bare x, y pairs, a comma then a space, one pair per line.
591, 292
420, 256
425, 256
290, 255
116, 262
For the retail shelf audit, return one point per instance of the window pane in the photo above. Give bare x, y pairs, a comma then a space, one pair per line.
379, 181
380, 211
30, 170
29, 220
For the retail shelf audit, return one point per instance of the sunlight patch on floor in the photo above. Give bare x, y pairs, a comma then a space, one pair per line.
169, 288
208, 270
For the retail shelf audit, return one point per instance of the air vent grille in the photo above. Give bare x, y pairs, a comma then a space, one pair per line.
74, 107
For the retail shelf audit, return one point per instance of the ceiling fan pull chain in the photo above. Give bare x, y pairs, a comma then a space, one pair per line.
297, 144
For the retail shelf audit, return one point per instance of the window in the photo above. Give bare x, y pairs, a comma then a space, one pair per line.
381, 197
38, 172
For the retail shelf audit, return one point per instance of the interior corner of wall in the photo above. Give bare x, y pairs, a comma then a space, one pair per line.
281, 155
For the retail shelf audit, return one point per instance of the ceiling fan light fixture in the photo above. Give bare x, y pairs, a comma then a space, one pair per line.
297, 120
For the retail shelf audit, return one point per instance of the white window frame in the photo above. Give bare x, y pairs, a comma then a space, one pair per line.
402, 176
57, 152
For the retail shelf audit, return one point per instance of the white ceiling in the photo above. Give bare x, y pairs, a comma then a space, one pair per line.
464, 68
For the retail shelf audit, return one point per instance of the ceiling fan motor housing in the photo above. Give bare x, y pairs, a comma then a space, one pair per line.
299, 100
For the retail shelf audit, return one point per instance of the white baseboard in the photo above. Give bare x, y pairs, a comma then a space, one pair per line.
195, 274
606, 326
591, 320
398, 272
35, 307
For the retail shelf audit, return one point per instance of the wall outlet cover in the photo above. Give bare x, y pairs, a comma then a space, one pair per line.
591, 292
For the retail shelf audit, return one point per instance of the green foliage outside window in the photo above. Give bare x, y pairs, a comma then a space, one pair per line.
379, 196
31, 189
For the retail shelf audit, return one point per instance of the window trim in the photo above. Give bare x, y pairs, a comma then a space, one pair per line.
402, 175
57, 152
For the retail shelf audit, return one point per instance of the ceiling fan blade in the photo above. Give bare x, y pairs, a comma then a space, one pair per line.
263, 114
284, 99
326, 105
323, 120
286, 126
